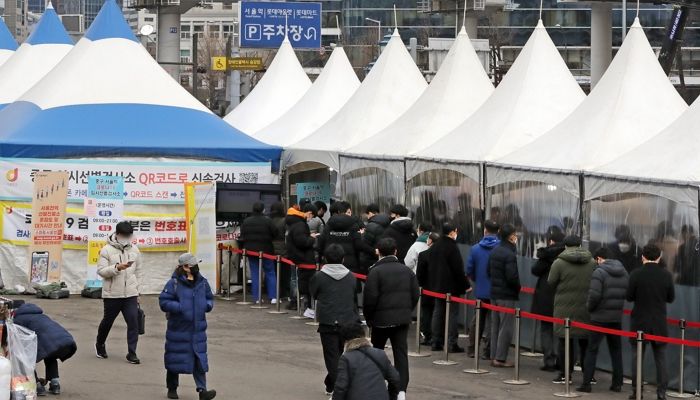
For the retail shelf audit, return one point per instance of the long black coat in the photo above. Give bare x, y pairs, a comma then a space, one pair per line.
373, 231
401, 229
391, 293
543, 300
257, 234
342, 229
300, 247
650, 288
503, 270
445, 272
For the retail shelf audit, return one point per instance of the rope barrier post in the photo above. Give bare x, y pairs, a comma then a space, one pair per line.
681, 393
228, 275
245, 301
299, 311
567, 361
477, 342
533, 350
466, 320
417, 353
220, 257
315, 321
259, 301
640, 355
278, 268
516, 378
446, 346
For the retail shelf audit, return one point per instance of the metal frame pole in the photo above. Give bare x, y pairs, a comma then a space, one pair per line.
299, 312
278, 309
516, 378
245, 301
259, 301
477, 342
417, 353
681, 369
640, 355
567, 361
228, 278
446, 346
466, 320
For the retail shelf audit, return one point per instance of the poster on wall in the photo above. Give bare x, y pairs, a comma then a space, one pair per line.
314, 191
104, 206
145, 182
200, 213
46, 248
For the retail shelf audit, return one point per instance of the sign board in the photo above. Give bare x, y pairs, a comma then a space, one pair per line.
218, 63
105, 208
263, 24
246, 63
200, 212
314, 191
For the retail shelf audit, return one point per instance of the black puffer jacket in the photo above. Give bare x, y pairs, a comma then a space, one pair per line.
373, 231
401, 229
342, 229
445, 268
391, 293
257, 234
300, 244
335, 288
503, 270
363, 373
606, 296
543, 300
278, 243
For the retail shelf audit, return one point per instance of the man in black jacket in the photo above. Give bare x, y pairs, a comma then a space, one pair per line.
376, 224
342, 229
401, 230
651, 288
505, 291
334, 287
257, 234
300, 248
543, 300
446, 276
391, 294
427, 304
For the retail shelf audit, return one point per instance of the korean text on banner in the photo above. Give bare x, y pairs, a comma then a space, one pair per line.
104, 206
200, 212
263, 24
49, 205
314, 191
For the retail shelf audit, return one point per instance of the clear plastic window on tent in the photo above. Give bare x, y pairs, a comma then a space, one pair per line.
372, 185
440, 195
532, 207
626, 222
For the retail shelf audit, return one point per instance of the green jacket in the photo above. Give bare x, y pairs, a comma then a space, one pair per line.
570, 278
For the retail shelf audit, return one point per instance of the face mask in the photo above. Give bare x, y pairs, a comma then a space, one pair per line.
123, 241
624, 247
194, 270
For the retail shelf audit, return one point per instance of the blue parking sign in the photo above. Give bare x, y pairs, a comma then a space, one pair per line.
262, 24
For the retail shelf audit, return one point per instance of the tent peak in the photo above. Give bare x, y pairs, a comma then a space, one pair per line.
49, 30
49, 5
636, 23
540, 24
110, 24
396, 32
463, 31
7, 42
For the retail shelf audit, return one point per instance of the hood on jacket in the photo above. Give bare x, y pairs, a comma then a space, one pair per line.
341, 223
294, 216
489, 242
551, 252
576, 255
335, 271
613, 268
28, 308
112, 241
423, 238
354, 344
403, 224
380, 219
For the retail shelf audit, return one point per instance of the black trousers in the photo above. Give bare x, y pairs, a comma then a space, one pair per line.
398, 335
547, 341
51, 361
615, 347
659, 350
332, 345
129, 308
427, 304
438, 326
582, 346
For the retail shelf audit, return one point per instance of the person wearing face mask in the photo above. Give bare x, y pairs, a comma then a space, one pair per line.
401, 230
119, 267
625, 249
186, 299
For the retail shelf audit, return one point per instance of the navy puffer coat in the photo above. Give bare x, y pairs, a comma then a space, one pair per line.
186, 304
51, 336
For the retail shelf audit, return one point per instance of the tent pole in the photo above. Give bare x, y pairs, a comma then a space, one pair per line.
581, 204
482, 171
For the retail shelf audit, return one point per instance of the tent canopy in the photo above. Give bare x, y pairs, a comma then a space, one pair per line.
283, 84
329, 93
8, 45
128, 107
633, 101
44, 48
537, 92
460, 86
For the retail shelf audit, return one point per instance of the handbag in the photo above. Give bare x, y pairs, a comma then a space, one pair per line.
142, 321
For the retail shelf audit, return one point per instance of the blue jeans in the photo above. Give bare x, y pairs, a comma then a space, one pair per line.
269, 274
172, 379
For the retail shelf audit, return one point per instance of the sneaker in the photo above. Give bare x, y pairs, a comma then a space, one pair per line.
401, 396
584, 388
501, 364
133, 359
273, 301
40, 390
594, 382
207, 394
101, 351
328, 392
54, 387
172, 394
309, 313
560, 380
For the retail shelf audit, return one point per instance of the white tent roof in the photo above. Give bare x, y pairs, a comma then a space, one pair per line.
390, 88
458, 89
329, 93
633, 101
283, 84
537, 92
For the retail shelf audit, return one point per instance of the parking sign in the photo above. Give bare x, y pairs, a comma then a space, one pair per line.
263, 24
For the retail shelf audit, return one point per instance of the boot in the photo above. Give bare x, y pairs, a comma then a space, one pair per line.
207, 394
172, 394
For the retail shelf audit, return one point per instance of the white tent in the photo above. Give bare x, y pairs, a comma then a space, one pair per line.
633, 101
329, 93
8, 45
44, 48
460, 86
283, 84
390, 88
537, 92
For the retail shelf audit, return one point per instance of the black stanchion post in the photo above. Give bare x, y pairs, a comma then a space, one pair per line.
567, 362
244, 261
259, 305
446, 343
299, 310
417, 353
640, 355
477, 343
278, 269
516, 378
228, 275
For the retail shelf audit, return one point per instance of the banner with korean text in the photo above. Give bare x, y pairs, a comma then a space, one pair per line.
105, 208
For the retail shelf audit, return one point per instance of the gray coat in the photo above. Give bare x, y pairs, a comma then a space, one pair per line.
363, 372
606, 296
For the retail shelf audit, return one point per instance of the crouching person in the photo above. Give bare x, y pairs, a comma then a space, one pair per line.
186, 299
363, 371
54, 343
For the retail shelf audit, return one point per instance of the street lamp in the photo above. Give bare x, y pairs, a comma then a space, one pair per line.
379, 25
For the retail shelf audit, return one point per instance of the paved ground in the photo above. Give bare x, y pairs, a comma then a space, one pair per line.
258, 356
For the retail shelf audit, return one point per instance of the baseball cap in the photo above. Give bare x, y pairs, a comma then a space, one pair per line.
188, 259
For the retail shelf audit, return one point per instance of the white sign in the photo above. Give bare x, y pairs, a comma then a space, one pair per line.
145, 182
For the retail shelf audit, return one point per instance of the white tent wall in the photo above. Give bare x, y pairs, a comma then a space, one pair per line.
367, 180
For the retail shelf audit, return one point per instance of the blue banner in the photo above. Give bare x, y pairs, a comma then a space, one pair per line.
106, 187
263, 24
314, 191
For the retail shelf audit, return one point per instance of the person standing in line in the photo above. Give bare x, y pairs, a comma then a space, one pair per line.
606, 301
342, 229
376, 224
277, 214
418, 247
119, 265
446, 275
257, 234
334, 287
300, 249
543, 300
317, 223
186, 299
391, 294
650, 289
570, 278
427, 304
505, 292
478, 274
401, 230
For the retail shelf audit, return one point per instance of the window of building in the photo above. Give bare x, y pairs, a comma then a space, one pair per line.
185, 32
149, 19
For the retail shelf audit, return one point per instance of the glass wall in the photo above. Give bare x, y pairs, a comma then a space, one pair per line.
364, 184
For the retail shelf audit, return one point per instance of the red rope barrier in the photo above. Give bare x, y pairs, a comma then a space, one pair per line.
436, 295
464, 301
306, 266
664, 339
543, 318
600, 329
504, 310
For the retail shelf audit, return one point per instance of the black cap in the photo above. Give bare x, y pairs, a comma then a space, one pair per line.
399, 209
572, 241
309, 207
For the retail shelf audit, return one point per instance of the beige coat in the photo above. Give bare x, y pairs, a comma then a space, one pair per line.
119, 284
